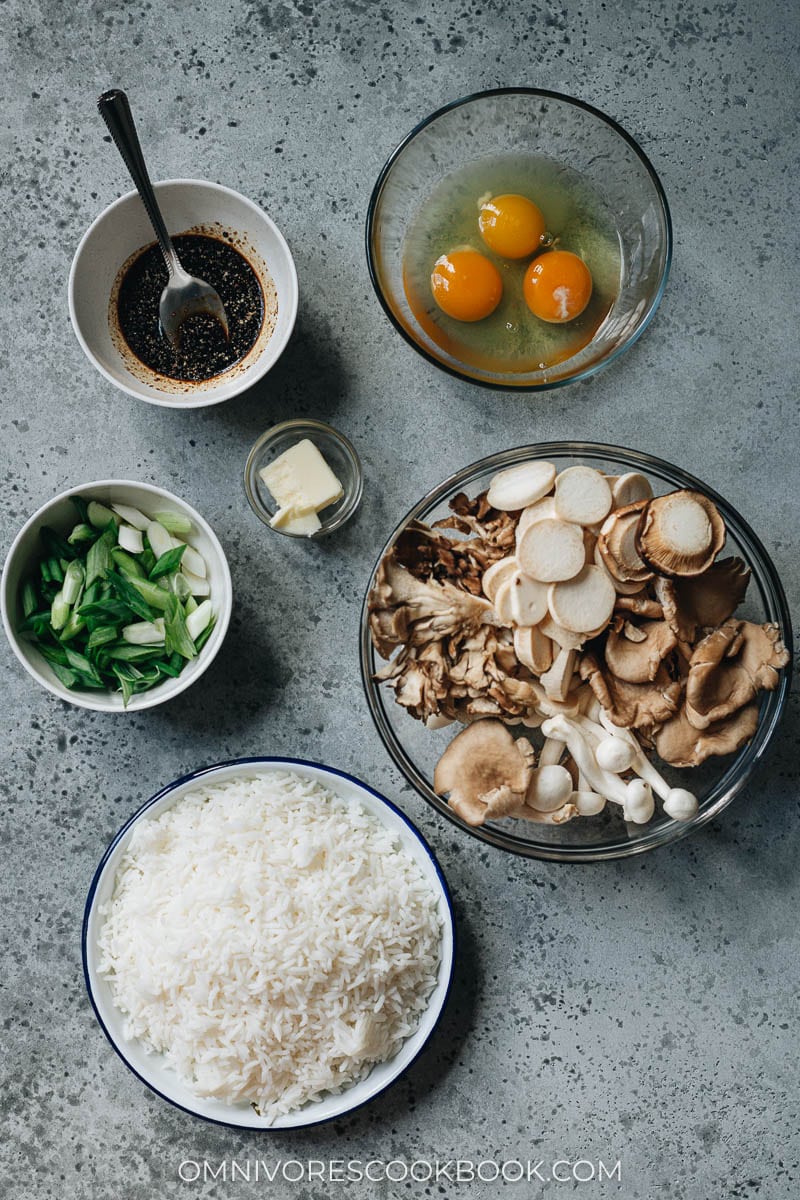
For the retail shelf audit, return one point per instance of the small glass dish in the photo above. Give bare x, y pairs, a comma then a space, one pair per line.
526, 121
415, 748
339, 454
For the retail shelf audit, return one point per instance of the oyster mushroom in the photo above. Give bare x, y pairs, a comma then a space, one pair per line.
616, 544
485, 771
632, 705
729, 667
641, 606
679, 743
705, 601
680, 533
636, 654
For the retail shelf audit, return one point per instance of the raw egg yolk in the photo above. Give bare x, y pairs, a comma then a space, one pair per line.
511, 225
466, 285
557, 286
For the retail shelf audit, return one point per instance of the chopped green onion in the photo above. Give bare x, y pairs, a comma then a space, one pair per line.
155, 596
197, 621
79, 662
132, 515
198, 585
177, 635
82, 533
125, 652
73, 627
73, 582
109, 610
100, 516
98, 560
44, 568
81, 509
130, 539
147, 559
126, 591
125, 684
101, 636
168, 562
160, 541
205, 635
59, 611
64, 675
56, 574
55, 545
174, 522
190, 606
29, 599
127, 564
180, 586
145, 633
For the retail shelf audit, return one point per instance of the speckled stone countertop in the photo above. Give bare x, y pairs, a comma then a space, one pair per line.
644, 1011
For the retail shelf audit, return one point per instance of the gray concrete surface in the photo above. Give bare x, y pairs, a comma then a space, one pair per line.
645, 1011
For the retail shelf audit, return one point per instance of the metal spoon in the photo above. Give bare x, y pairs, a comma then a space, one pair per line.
184, 296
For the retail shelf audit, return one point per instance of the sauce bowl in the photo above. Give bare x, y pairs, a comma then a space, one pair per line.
123, 229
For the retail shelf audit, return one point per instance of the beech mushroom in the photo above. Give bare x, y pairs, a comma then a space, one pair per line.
729, 667
485, 771
679, 743
637, 653
519, 486
550, 788
679, 803
632, 796
551, 550
681, 533
582, 495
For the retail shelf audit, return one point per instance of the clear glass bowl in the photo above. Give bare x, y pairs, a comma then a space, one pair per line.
337, 451
526, 121
416, 749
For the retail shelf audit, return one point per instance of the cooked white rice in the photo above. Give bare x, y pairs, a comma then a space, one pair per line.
272, 940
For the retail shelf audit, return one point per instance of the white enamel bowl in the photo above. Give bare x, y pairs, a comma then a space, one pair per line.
150, 1068
60, 513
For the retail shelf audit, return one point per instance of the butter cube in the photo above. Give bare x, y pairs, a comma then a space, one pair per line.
301, 481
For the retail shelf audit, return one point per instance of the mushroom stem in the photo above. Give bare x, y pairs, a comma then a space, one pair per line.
551, 752
679, 804
602, 782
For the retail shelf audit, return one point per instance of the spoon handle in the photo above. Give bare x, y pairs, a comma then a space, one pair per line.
116, 112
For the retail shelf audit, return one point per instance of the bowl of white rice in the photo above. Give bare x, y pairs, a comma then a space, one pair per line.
268, 943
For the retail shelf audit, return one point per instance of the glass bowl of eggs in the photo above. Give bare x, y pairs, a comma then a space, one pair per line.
519, 239
448, 671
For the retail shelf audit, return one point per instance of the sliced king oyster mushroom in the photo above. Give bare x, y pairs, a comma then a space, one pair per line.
528, 599
533, 648
627, 489
681, 533
551, 551
519, 486
582, 496
542, 510
583, 603
495, 575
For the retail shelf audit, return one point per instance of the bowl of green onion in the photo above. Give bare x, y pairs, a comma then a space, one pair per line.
116, 596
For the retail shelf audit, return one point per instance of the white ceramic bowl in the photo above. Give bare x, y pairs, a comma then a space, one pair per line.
61, 515
121, 230
150, 1068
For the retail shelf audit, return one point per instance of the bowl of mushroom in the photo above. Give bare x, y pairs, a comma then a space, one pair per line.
575, 651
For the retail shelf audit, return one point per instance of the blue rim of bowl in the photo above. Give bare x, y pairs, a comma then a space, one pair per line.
592, 368
745, 765
201, 774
